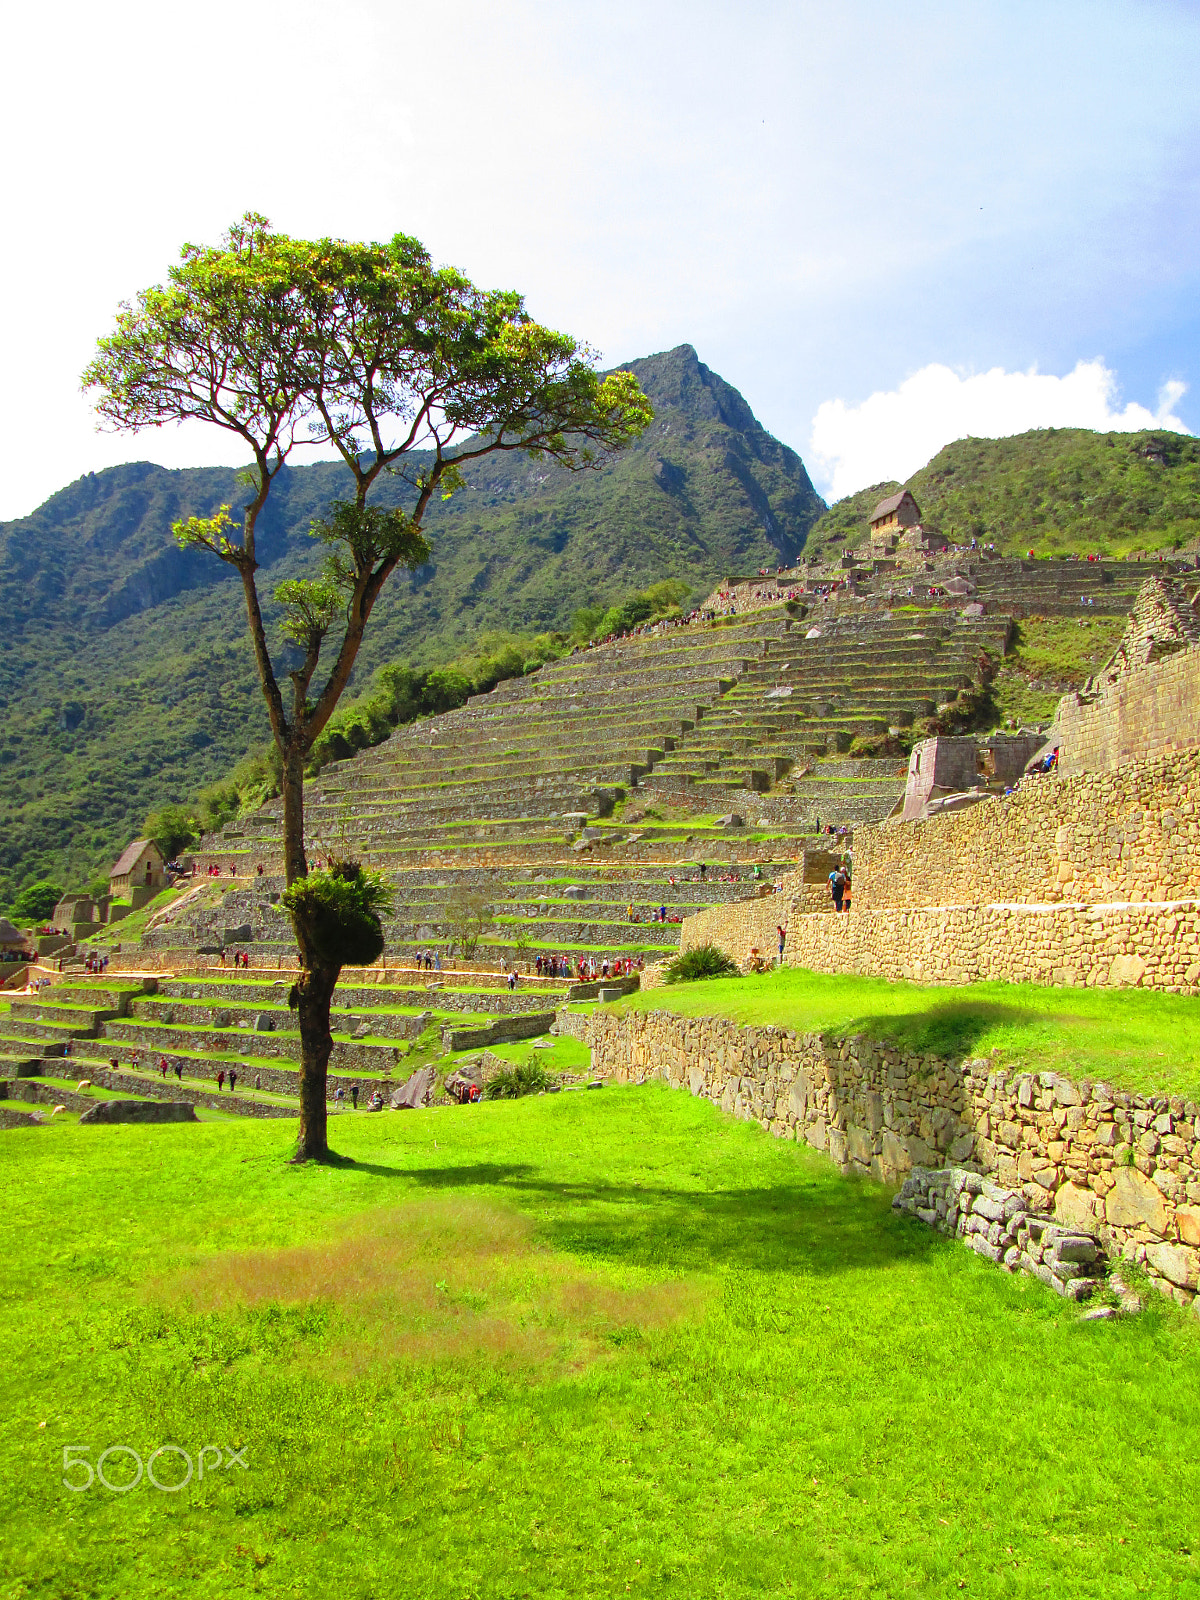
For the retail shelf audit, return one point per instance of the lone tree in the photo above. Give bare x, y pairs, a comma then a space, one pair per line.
402, 368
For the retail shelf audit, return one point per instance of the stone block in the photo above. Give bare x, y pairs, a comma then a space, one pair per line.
1176, 1262
860, 1144
1134, 1201
1127, 969
798, 1096
139, 1111
1075, 1207
874, 1110
1075, 1248
1187, 1220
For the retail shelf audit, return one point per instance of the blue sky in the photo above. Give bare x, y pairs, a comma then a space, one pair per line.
829, 201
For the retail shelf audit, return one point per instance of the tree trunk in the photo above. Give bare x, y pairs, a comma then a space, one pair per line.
295, 863
314, 989
317, 980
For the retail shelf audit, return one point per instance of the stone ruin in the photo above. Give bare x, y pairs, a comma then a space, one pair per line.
999, 1224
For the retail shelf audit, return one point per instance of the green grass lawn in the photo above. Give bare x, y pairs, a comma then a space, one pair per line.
584, 1345
1146, 1042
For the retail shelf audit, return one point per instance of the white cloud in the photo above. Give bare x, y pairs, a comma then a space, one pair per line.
893, 433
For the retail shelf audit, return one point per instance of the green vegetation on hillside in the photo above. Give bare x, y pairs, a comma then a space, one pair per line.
579, 1345
1144, 1042
1056, 491
1047, 657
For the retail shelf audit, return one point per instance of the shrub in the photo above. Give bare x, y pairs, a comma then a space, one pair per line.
705, 961
510, 1083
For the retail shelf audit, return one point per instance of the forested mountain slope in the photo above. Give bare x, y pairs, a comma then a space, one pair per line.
1055, 490
126, 677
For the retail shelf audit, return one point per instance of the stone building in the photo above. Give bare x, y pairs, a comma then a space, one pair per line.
893, 515
1145, 700
945, 766
139, 873
896, 528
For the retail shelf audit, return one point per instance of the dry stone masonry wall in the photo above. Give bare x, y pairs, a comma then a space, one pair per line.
1089, 880
1122, 1167
997, 1224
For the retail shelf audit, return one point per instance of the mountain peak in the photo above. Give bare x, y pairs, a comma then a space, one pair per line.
678, 378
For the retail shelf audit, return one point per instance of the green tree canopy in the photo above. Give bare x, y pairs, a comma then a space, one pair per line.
37, 901
172, 828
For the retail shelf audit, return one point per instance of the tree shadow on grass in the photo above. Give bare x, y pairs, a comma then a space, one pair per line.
951, 1029
820, 1224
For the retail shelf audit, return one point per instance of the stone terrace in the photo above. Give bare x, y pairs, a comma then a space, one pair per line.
580, 800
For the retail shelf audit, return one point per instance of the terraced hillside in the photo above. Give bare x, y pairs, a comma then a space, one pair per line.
579, 812
577, 802
169, 1038
581, 807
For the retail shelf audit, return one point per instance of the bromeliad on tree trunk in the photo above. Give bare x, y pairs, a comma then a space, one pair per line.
402, 368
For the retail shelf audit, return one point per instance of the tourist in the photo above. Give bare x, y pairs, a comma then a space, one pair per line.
354, 1095
837, 887
258, 1080
179, 1071
220, 1080
162, 1065
782, 932
232, 1080
339, 1097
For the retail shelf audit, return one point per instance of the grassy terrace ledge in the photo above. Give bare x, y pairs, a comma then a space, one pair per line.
1141, 1042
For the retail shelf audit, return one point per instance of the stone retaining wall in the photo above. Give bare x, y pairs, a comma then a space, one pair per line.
997, 1224
1154, 946
1125, 1167
749, 925
507, 1030
1133, 834
170, 1089
573, 1025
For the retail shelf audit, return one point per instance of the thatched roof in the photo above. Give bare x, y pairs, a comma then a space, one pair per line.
9, 934
129, 857
892, 503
